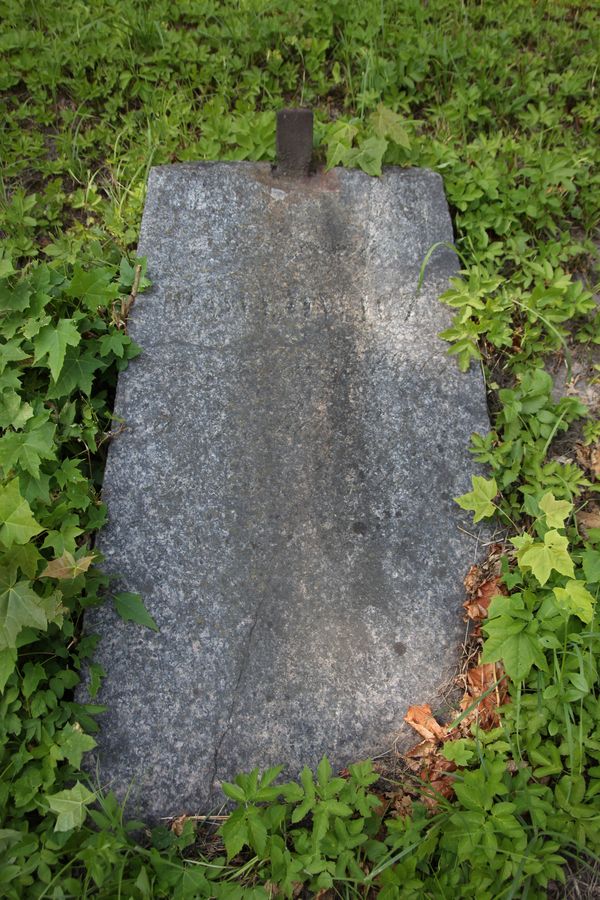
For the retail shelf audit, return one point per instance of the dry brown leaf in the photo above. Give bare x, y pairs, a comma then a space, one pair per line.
178, 824
589, 458
402, 805
66, 566
421, 719
480, 678
477, 606
422, 750
588, 517
472, 579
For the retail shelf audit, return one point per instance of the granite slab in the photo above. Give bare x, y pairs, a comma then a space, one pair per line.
282, 493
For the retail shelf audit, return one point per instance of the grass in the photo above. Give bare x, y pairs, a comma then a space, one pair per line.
502, 100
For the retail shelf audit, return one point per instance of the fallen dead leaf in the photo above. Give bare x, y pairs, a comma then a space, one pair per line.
589, 458
402, 805
481, 678
588, 517
483, 583
472, 579
422, 750
478, 680
421, 719
178, 824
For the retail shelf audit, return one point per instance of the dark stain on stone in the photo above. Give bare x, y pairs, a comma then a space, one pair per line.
359, 527
400, 648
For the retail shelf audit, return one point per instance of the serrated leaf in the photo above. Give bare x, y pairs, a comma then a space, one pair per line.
114, 342
66, 566
258, 831
235, 833
388, 124
15, 298
26, 449
6, 266
324, 772
52, 341
369, 156
459, 752
131, 608
269, 775
553, 554
576, 600
8, 662
18, 524
519, 653
479, 500
20, 607
591, 566
70, 806
33, 326
73, 743
11, 352
93, 288
96, 674
14, 411
233, 791
77, 374
556, 511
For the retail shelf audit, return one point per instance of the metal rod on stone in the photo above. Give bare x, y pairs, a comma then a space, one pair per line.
294, 142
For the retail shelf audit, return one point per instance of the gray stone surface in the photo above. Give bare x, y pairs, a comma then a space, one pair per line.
282, 494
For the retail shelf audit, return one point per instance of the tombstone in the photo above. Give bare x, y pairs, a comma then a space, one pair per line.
282, 494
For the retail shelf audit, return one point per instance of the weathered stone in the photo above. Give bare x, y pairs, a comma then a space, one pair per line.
282, 494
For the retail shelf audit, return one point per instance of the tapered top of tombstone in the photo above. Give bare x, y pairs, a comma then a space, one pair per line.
282, 493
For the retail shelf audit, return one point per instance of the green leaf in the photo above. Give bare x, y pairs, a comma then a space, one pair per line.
258, 831
235, 832
556, 511
20, 607
73, 743
591, 565
18, 526
52, 341
15, 298
459, 751
114, 342
339, 143
96, 674
388, 124
370, 155
234, 791
324, 772
131, 608
519, 653
94, 288
70, 806
13, 410
8, 662
77, 374
511, 641
576, 600
26, 449
11, 352
479, 500
553, 554
269, 775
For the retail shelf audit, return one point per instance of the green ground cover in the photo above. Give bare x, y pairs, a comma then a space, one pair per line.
502, 99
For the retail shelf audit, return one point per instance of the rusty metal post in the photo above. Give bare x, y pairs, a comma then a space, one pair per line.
294, 142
